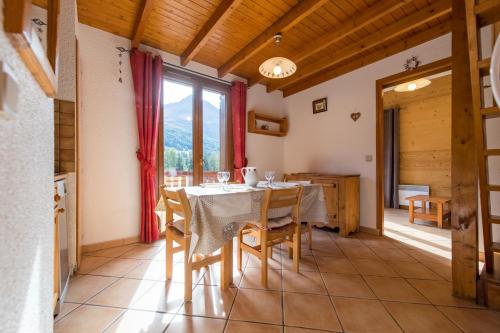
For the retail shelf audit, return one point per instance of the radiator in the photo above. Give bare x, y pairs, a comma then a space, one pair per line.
406, 191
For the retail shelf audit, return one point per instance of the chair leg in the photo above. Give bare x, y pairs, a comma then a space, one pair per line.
188, 270
263, 258
239, 250
290, 252
169, 255
296, 247
310, 236
270, 252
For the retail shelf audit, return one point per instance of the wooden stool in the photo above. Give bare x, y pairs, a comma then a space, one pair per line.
437, 215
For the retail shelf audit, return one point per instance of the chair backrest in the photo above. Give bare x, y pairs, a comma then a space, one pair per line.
281, 198
176, 201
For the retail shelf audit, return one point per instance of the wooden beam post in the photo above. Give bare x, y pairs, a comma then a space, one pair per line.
140, 25
286, 22
216, 19
463, 165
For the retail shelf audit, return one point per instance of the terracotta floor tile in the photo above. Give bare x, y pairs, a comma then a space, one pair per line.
362, 252
335, 265
83, 287
443, 270
394, 289
142, 252
473, 320
363, 315
274, 263
178, 273
416, 318
66, 309
251, 279
307, 263
258, 306
327, 250
112, 252
90, 263
393, 255
379, 242
373, 267
347, 285
289, 329
122, 293
348, 242
244, 327
87, 319
149, 270
439, 293
162, 297
210, 301
140, 321
213, 273
188, 324
303, 282
413, 270
117, 267
310, 311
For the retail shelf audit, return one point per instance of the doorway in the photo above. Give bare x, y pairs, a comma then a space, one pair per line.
414, 155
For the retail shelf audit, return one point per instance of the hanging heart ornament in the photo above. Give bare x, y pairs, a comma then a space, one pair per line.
355, 116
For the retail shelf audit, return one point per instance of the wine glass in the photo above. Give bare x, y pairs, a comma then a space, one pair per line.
221, 177
227, 175
269, 177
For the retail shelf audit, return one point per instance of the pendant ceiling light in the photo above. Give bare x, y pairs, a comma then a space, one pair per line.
277, 67
412, 85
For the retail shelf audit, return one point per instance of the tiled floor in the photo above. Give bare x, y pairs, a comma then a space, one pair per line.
359, 284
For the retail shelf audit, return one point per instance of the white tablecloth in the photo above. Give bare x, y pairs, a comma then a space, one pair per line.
219, 212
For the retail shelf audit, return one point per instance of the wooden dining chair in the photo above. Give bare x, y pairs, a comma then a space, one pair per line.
270, 232
178, 230
306, 226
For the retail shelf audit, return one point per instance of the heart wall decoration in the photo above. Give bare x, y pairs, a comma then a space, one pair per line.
355, 116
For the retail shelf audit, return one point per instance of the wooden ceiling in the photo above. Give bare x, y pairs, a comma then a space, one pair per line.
325, 38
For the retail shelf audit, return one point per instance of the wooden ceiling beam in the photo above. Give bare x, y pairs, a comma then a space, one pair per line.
437, 9
218, 17
388, 51
142, 19
286, 22
349, 26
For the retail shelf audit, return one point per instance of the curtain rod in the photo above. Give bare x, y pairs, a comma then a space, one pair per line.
197, 73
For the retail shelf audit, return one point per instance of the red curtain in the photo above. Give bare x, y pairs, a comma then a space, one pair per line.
239, 113
147, 76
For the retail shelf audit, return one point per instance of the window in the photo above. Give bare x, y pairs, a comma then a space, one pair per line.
194, 136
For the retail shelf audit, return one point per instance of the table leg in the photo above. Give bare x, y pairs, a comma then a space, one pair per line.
411, 212
424, 207
440, 214
227, 265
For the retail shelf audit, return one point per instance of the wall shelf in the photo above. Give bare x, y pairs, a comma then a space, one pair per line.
253, 117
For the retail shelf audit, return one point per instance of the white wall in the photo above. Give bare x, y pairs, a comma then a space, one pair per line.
265, 152
26, 204
330, 141
110, 205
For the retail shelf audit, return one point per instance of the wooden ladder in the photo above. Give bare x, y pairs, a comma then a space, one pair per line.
480, 14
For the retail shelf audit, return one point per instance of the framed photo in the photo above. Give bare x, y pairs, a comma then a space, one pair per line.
320, 105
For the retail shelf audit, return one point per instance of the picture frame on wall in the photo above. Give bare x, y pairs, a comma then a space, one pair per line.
320, 105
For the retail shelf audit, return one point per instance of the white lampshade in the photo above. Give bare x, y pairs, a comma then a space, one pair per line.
277, 68
412, 85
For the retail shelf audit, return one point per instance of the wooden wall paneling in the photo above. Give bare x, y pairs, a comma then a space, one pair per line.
464, 207
350, 25
294, 16
416, 19
388, 50
221, 13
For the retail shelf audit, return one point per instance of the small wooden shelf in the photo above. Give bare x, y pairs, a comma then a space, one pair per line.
253, 128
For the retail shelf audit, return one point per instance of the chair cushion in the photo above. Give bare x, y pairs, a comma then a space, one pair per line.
279, 222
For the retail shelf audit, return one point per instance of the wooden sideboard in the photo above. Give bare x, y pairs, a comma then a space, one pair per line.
341, 197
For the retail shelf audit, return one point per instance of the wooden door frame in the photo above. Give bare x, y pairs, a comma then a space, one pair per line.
198, 83
389, 81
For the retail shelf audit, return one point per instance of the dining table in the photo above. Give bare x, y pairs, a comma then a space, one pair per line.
219, 211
